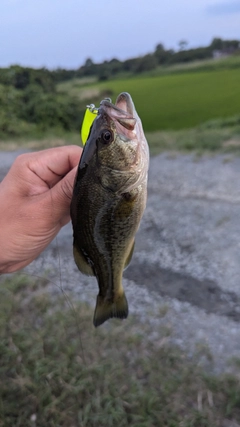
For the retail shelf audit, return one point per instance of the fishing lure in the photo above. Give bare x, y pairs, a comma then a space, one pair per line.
88, 119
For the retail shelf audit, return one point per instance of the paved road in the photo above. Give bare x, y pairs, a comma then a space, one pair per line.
185, 273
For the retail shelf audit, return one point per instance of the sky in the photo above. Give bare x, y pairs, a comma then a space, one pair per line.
64, 33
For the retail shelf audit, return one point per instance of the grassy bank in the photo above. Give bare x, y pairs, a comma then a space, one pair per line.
57, 370
218, 136
40, 141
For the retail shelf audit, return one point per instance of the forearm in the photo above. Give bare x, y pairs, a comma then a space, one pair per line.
12, 234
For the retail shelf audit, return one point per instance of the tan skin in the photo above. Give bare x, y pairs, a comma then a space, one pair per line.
35, 201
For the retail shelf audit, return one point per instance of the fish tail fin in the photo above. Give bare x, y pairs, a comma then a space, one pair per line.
107, 309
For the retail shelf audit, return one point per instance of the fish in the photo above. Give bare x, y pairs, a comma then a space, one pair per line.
108, 201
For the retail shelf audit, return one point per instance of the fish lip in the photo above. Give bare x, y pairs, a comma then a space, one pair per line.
124, 107
125, 98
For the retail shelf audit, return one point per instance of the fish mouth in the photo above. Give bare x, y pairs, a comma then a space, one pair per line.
125, 103
123, 111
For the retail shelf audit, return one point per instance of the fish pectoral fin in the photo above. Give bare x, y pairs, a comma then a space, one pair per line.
106, 309
129, 257
81, 262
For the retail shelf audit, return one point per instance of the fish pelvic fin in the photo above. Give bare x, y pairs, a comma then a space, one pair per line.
130, 254
81, 263
106, 309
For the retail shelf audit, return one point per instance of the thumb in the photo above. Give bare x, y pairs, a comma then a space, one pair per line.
61, 195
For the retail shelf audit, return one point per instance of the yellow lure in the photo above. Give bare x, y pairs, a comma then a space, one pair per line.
89, 117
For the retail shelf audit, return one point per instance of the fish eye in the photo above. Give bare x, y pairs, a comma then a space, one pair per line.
106, 136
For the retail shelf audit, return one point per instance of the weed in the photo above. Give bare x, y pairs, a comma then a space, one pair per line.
126, 380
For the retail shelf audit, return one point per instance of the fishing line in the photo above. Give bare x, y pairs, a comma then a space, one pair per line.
66, 296
70, 303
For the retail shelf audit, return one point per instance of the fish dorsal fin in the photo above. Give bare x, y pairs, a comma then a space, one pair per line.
129, 257
128, 123
81, 262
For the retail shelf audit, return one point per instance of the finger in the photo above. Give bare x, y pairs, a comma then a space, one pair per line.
53, 164
61, 195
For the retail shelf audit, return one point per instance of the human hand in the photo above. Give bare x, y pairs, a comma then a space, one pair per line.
35, 199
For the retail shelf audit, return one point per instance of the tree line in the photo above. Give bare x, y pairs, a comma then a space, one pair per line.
148, 62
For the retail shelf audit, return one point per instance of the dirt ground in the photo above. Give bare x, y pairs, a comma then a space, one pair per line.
184, 278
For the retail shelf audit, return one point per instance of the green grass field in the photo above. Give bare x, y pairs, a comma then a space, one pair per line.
181, 101
172, 98
195, 107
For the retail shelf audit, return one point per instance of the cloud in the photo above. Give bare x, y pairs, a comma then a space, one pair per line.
224, 8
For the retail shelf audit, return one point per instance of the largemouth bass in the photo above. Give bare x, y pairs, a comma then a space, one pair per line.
109, 198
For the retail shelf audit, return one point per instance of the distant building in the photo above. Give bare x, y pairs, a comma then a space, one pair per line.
224, 53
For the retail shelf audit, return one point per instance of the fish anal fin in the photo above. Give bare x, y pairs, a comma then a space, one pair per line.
130, 253
106, 309
81, 262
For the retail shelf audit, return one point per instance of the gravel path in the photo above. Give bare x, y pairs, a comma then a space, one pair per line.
184, 276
